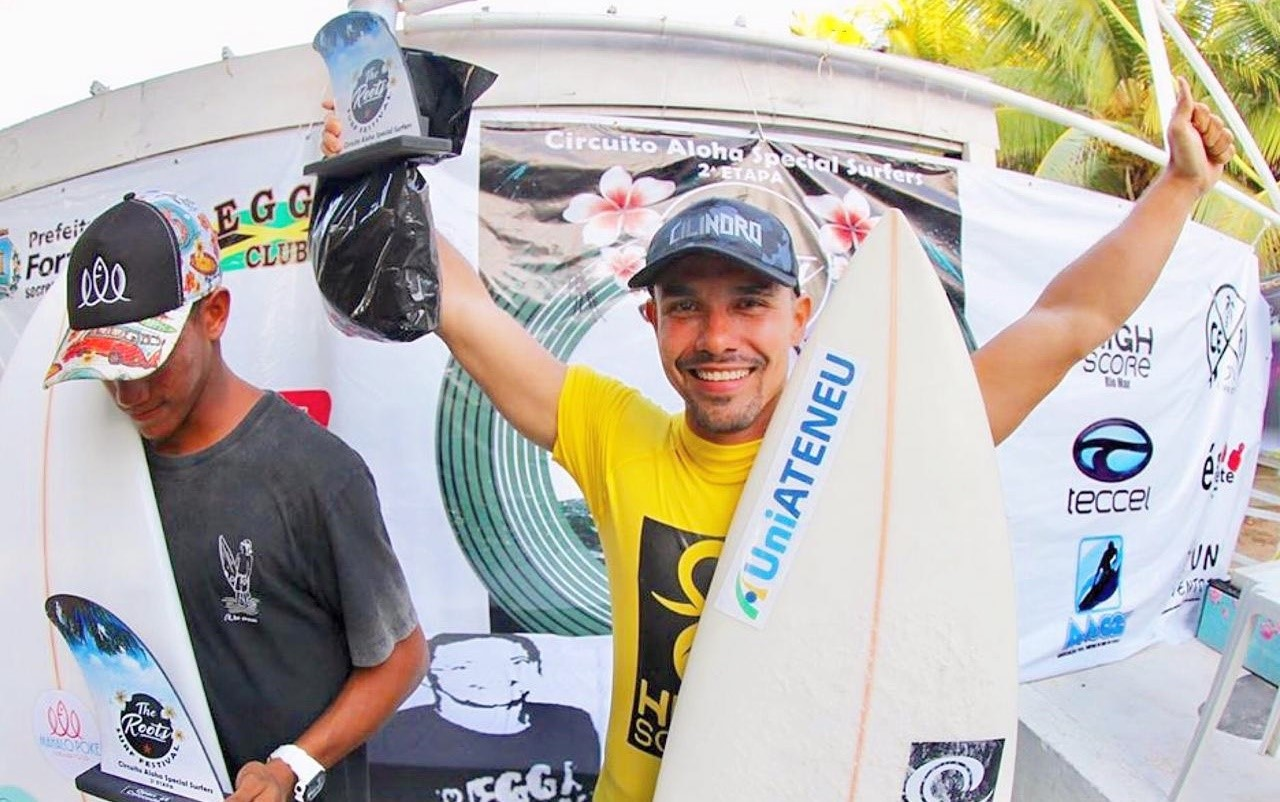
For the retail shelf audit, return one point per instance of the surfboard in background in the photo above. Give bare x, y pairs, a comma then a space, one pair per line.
859, 640
119, 687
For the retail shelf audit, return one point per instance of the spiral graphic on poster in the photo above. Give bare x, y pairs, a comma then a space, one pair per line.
498, 490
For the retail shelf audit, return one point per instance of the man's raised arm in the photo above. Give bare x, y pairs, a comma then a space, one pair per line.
1096, 294
520, 377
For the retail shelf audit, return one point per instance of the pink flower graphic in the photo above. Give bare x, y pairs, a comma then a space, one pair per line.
848, 220
619, 208
1267, 629
622, 263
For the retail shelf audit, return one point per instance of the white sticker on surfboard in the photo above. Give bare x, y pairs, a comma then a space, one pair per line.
888, 666
777, 523
67, 731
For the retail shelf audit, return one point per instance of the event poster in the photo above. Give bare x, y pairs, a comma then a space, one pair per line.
567, 212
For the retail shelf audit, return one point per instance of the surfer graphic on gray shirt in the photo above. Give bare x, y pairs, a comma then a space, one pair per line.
237, 567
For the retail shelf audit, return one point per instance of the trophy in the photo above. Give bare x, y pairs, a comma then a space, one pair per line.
372, 244
373, 95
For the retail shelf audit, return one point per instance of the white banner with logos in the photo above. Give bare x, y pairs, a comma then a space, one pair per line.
1125, 490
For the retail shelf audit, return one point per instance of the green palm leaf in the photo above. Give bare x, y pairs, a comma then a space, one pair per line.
1089, 56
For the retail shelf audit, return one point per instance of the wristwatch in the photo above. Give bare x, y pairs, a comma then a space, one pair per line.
307, 769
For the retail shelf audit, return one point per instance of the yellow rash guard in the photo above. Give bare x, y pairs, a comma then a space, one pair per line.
662, 499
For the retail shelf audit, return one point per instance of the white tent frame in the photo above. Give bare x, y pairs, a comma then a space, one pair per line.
968, 84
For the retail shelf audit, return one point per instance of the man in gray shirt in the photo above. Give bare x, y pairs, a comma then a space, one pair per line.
299, 615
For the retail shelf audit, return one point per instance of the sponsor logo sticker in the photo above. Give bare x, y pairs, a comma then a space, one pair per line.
370, 93
1221, 465
267, 230
1098, 620
66, 732
1110, 451
146, 730
953, 771
1098, 573
796, 475
1128, 356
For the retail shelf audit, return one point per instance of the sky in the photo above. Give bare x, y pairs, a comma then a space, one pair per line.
51, 51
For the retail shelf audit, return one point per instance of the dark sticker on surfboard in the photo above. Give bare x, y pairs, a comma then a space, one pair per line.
953, 771
145, 727
675, 574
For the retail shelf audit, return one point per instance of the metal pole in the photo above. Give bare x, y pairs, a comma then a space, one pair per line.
1158, 57
1244, 138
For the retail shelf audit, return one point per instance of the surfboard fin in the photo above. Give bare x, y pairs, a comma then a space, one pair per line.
149, 741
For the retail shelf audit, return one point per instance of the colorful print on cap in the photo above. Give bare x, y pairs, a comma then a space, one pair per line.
197, 243
131, 287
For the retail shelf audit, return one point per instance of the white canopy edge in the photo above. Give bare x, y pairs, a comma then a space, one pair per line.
939, 76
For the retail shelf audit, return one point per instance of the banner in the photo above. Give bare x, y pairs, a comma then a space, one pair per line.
1124, 490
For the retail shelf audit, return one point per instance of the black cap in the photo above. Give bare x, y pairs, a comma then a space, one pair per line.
134, 276
125, 267
746, 234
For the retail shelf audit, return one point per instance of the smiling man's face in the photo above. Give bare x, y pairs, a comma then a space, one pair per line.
725, 335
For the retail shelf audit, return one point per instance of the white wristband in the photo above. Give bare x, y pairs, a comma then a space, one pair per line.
307, 769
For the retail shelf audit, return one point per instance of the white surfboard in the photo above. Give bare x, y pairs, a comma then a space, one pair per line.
859, 640
106, 695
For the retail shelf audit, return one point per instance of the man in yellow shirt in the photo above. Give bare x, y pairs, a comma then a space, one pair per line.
727, 312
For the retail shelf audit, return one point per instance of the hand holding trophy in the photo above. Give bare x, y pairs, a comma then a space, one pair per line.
372, 243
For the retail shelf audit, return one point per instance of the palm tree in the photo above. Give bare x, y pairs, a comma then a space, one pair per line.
1089, 56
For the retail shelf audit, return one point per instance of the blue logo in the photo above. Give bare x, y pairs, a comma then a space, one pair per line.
1112, 450
1098, 620
1098, 573
781, 514
1092, 631
8, 266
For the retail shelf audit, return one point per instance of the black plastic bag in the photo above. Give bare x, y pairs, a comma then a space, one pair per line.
372, 240
374, 253
445, 90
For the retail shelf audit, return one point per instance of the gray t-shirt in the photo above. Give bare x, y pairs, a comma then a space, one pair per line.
287, 579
